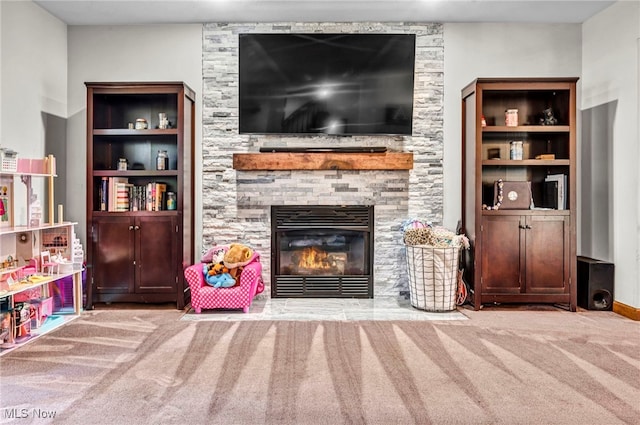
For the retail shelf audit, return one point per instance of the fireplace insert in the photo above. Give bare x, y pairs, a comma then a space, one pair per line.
322, 251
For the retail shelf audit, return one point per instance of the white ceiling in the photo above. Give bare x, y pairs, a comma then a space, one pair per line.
131, 12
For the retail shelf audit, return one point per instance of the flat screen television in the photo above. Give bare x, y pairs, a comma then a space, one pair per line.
342, 84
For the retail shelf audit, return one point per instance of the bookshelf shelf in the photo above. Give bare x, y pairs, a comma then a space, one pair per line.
136, 173
527, 129
128, 132
526, 162
135, 213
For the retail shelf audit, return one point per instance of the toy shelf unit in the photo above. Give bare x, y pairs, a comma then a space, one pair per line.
40, 270
140, 142
519, 190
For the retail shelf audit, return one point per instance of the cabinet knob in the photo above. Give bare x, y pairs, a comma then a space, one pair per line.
130, 227
137, 227
527, 226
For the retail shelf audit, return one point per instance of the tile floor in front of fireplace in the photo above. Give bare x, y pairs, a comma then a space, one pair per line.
336, 309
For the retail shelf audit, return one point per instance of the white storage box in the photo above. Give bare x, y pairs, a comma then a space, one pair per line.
8, 163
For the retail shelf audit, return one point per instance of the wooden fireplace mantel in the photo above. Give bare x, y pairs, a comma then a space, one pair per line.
269, 161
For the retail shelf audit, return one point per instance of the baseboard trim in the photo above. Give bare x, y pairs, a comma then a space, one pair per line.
632, 313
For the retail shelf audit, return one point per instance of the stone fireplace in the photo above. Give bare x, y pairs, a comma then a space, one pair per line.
237, 203
321, 251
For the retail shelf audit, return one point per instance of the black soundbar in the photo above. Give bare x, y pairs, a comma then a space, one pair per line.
347, 149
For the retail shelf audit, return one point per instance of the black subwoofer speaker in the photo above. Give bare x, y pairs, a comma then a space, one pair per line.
595, 284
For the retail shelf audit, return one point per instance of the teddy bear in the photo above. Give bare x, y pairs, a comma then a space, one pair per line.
217, 275
236, 257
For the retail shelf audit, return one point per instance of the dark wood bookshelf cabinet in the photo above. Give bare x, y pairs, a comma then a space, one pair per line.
137, 252
523, 255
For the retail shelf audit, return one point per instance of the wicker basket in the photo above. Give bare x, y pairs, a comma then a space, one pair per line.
433, 277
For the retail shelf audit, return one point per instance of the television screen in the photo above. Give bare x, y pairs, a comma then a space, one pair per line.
326, 83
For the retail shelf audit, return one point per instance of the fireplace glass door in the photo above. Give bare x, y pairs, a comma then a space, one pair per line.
322, 252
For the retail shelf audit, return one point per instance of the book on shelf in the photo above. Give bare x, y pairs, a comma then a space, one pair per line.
546, 156
137, 198
149, 195
161, 189
560, 187
155, 196
123, 194
104, 193
117, 194
549, 195
112, 196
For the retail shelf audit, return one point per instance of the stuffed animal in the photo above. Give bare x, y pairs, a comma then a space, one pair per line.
213, 269
236, 257
217, 275
223, 280
213, 255
548, 118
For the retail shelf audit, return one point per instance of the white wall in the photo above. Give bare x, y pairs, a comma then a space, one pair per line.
1, 62
127, 53
33, 80
496, 50
610, 73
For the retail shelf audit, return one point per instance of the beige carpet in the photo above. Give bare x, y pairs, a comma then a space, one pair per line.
499, 367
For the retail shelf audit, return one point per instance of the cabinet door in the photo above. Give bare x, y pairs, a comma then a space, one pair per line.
113, 270
156, 254
502, 259
547, 254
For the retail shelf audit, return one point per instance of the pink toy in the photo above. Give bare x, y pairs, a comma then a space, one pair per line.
240, 296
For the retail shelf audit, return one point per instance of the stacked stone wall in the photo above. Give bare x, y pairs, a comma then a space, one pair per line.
236, 204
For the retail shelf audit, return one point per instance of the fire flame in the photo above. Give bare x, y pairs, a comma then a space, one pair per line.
312, 258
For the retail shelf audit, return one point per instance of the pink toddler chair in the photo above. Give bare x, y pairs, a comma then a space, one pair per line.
239, 296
